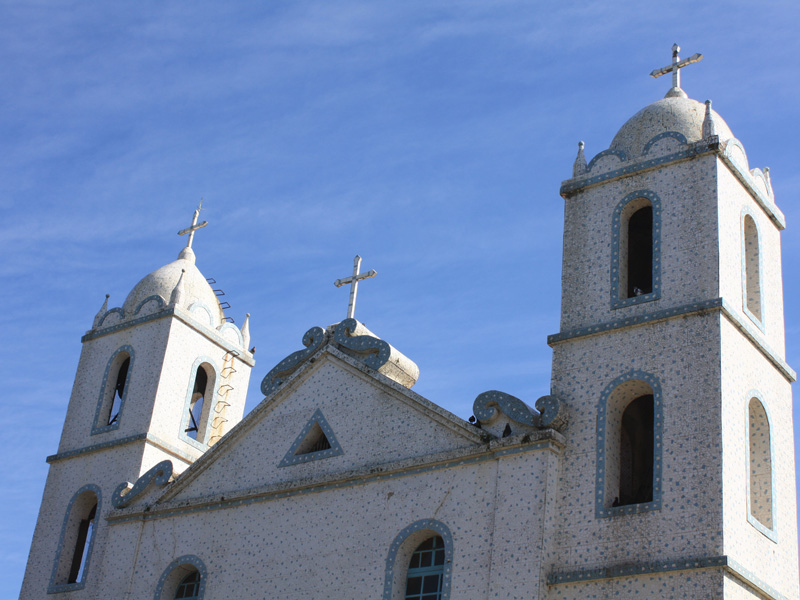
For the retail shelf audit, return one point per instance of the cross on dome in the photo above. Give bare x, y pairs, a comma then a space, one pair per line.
353, 281
194, 226
675, 69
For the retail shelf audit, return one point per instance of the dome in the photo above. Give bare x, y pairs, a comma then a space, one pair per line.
673, 113
162, 281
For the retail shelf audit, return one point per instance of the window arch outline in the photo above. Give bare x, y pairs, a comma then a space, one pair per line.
602, 501
402, 548
759, 270
172, 576
618, 220
106, 400
209, 403
60, 560
770, 533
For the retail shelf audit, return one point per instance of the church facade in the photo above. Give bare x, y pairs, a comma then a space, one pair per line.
659, 465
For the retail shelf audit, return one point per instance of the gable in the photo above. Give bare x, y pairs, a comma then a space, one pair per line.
372, 420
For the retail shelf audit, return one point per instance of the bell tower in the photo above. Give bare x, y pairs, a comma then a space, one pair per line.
679, 473
160, 378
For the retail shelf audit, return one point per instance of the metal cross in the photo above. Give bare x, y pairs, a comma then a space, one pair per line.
194, 227
676, 66
353, 281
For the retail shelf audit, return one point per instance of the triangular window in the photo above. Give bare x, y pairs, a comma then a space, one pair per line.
315, 441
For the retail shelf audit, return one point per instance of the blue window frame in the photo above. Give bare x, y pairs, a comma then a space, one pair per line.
426, 571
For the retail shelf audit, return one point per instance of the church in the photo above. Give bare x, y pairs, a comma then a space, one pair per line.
659, 465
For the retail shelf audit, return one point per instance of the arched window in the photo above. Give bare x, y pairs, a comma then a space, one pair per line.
419, 564
426, 571
629, 425
189, 587
636, 249
759, 477
640, 253
636, 452
77, 540
113, 390
195, 426
184, 579
751, 269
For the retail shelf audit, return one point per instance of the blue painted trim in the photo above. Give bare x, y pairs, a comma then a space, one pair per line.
96, 427
574, 185
334, 450
148, 437
127, 492
632, 570
622, 323
726, 563
370, 475
53, 587
391, 560
313, 340
618, 153
617, 301
771, 534
118, 311
225, 326
154, 298
759, 322
601, 510
209, 404
182, 316
197, 307
186, 559
667, 134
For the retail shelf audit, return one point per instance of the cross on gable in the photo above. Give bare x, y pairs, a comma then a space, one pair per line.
676, 66
194, 226
353, 281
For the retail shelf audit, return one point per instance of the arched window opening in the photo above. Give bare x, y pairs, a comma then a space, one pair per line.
82, 544
189, 587
636, 453
199, 403
77, 539
426, 570
640, 253
184, 579
760, 464
752, 268
118, 392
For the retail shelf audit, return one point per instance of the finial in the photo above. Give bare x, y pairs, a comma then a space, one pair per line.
177, 294
769, 181
579, 166
99, 316
191, 229
246, 331
675, 69
709, 128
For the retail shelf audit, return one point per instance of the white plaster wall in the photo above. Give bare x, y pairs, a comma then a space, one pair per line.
689, 252
674, 585
733, 198
334, 543
185, 346
746, 369
683, 354
148, 341
373, 425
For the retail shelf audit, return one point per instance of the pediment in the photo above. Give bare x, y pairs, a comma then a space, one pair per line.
373, 420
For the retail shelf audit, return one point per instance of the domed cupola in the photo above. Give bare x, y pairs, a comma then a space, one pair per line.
675, 115
179, 282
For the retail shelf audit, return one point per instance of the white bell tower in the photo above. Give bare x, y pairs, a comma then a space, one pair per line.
679, 478
160, 378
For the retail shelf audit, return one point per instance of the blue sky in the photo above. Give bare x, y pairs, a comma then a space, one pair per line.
429, 137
